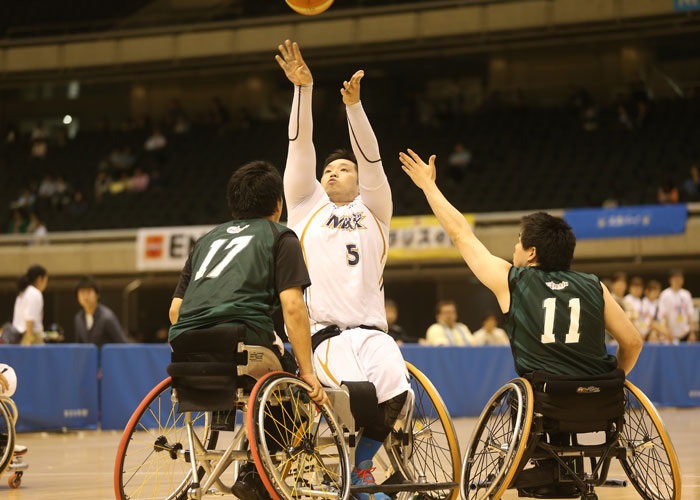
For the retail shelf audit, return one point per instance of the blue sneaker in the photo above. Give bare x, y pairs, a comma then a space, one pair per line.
362, 475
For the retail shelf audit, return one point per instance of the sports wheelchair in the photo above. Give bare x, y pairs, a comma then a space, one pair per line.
187, 441
538, 421
9, 458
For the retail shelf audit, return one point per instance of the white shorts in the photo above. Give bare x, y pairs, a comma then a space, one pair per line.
358, 355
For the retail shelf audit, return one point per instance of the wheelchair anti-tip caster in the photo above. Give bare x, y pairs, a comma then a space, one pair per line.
15, 480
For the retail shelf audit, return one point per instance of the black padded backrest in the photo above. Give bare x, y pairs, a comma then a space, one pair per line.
204, 368
573, 403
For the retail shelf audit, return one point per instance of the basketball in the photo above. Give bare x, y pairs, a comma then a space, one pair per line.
309, 7
11, 378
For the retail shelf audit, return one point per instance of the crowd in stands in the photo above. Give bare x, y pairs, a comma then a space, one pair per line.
500, 156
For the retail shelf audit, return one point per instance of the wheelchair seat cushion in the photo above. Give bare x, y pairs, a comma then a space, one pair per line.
573, 403
204, 368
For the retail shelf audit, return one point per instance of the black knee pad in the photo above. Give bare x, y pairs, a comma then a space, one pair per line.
363, 402
389, 411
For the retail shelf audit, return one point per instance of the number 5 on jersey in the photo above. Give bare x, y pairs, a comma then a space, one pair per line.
550, 306
234, 246
353, 255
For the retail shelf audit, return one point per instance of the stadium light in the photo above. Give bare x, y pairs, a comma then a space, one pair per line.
67, 120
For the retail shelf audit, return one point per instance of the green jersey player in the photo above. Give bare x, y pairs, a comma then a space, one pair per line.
556, 318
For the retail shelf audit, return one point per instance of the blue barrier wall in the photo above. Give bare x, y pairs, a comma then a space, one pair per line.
58, 385
129, 372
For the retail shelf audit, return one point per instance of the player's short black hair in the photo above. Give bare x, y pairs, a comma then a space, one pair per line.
254, 190
87, 282
553, 238
340, 154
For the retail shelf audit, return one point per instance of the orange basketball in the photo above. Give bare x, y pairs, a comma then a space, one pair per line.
309, 7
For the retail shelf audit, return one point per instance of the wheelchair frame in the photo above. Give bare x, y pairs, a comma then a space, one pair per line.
206, 465
8, 459
528, 444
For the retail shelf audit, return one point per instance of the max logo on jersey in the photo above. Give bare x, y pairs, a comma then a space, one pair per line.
346, 222
557, 286
236, 229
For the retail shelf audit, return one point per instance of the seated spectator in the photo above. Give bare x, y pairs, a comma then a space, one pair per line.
37, 229
676, 306
691, 186
79, 205
18, 223
459, 160
25, 200
490, 333
102, 185
120, 185
652, 324
47, 188
39, 138
156, 141
667, 193
446, 330
95, 323
121, 158
395, 330
139, 182
62, 193
633, 301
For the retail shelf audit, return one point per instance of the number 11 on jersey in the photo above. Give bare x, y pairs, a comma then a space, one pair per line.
550, 305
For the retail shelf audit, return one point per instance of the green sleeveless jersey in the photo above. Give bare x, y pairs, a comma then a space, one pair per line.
556, 322
233, 278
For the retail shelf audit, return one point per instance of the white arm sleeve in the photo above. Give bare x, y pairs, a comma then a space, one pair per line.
301, 189
374, 186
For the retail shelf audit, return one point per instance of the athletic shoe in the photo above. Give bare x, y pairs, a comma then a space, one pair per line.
362, 476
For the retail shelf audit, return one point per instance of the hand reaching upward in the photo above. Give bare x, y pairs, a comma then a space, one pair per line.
351, 89
422, 174
293, 64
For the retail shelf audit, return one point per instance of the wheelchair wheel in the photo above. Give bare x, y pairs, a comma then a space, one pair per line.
431, 453
651, 465
150, 462
7, 434
298, 447
498, 442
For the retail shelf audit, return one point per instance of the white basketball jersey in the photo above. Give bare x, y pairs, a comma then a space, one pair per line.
345, 249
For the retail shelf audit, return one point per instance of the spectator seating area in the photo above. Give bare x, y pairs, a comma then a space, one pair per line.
521, 159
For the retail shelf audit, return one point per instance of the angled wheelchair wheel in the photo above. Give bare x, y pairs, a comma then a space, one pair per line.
7, 432
429, 452
151, 462
498, 442
651, 463
298, 448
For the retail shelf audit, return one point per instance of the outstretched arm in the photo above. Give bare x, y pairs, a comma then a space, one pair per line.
492, 271
300, 182
374, 186
629, 340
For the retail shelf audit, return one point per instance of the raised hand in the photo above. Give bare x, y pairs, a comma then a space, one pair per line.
351, 89
293, 64
422, 174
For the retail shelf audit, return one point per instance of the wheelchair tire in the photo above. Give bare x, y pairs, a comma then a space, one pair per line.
148, 464
432, 454
7, 436
653, 466
498, 442
296, 445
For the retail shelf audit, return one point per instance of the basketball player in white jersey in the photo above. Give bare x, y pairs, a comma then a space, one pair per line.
343, 226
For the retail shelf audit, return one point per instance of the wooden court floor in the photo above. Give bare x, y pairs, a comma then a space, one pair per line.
79, 465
